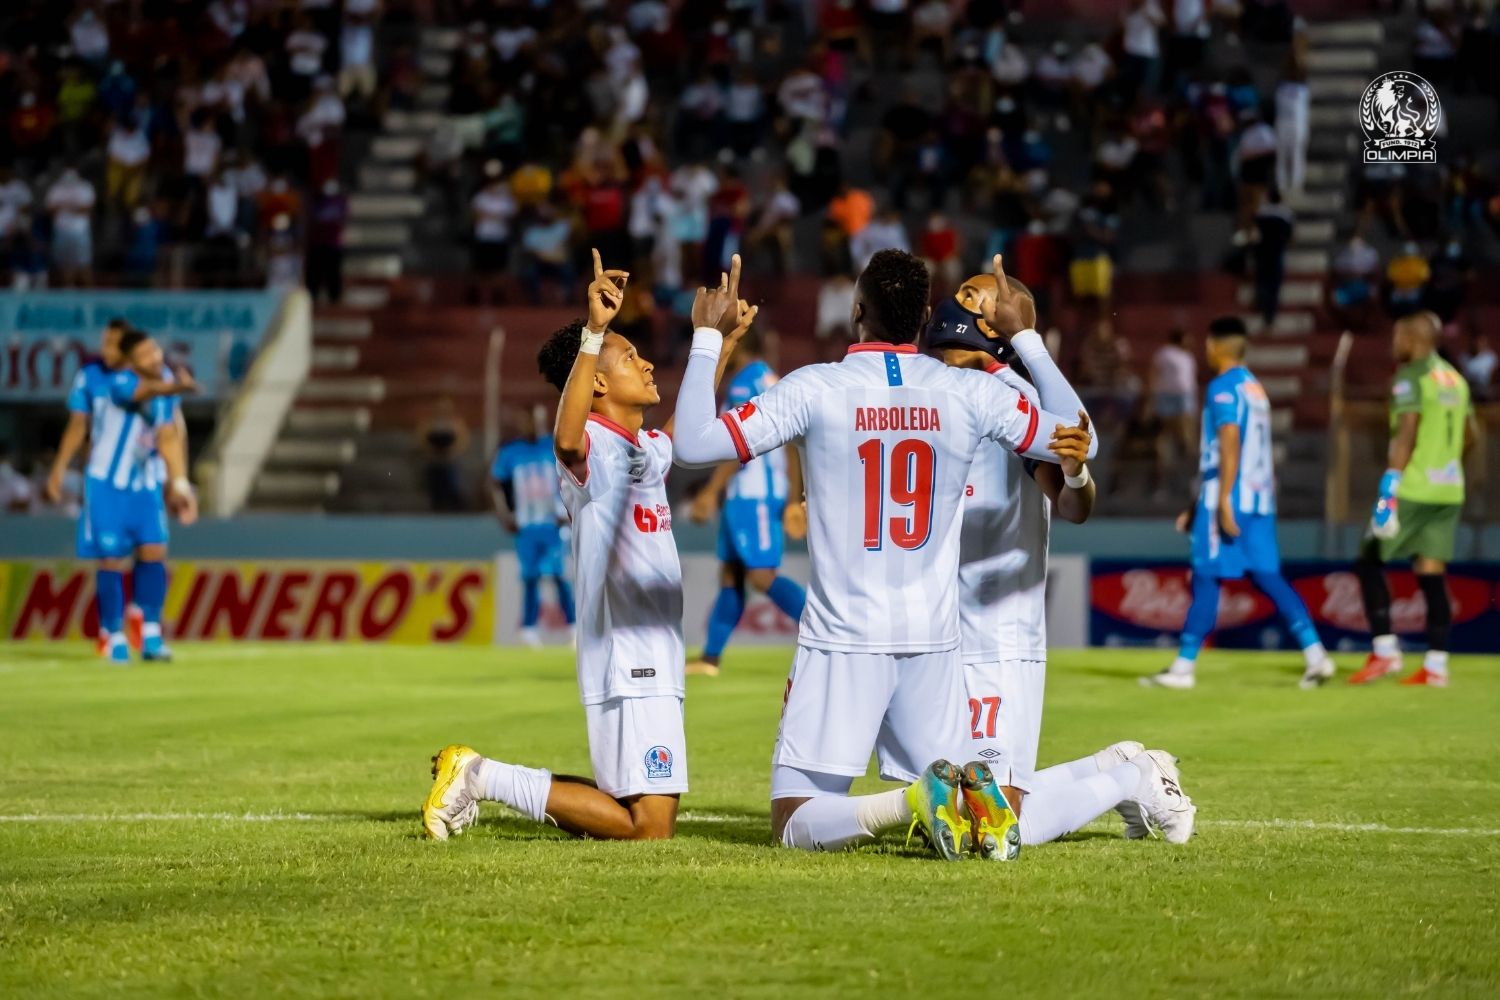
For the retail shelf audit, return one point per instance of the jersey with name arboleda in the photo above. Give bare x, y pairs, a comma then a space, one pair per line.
122, 432
887, 438
1435, 390
763, 477
627, 579
531, 469
1236, 397
1002, 563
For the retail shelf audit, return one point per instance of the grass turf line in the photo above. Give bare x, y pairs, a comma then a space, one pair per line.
355, 904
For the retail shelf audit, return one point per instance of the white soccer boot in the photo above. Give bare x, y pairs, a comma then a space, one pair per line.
1316, 676
1181, 680
1118, 753
1160, 807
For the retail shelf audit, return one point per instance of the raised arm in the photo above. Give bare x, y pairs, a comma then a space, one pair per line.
700, 438
569, 434
1003, 314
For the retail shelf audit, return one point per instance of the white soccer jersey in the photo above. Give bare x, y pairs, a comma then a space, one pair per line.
887, 438
1002, 569
628, 582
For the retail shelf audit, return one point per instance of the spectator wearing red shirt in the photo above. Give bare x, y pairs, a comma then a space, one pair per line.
939, 250
1036, 259
31, 125
604, 204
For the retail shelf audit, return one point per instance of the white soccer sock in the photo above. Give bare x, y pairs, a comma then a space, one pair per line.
1181, 665
151, 630
524, 789
1386, 645
834, 822
1066, 773
1436, 661
1315, 654
1059, 809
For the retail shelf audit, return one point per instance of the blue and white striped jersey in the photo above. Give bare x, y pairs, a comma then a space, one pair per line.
122, 432
531, 469
763, 477
1235, 397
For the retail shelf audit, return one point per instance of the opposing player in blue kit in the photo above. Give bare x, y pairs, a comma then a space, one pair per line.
133, 420
1234, 520
751, 538
524, 476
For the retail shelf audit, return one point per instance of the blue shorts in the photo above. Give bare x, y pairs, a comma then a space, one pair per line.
1255, 551
750, 533
539, 550
116, 522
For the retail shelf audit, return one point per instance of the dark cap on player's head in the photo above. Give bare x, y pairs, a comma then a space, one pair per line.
1227, 326
118, 323
555, 359
895, 289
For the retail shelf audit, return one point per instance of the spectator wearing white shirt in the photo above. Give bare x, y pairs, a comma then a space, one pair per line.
15, 230
772, 228
1190, 34
15, 489
744, 113
357, 56
1142, 47
201, 147
932, 26
90, 38
1255, 158
699, 126
305, 49
70, 199
492, 208
1292, 127
885, 231
128, 152
1174, 401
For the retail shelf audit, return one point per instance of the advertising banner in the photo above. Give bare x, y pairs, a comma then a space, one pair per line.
46, 336
1144, 603
268, 600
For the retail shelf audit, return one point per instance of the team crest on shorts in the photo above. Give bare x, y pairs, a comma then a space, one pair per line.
658, 763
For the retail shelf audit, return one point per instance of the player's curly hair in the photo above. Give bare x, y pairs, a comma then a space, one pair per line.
555, 359
896, 291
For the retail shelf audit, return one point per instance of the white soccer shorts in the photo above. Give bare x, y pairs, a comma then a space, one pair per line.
637, 746
910, 708
1005, 716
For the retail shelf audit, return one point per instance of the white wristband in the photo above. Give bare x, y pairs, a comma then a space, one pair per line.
1079, 481
591, 342
707, 340
182, 485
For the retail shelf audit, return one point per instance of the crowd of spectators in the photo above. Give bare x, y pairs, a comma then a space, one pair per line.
177, 141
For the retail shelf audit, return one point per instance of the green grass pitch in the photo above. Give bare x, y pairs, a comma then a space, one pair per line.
243, 823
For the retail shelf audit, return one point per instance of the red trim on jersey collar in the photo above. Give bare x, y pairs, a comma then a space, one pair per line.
617, 428
882, 347
995, 366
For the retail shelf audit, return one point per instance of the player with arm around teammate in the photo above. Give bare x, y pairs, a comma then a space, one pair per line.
886, 439
1003, 589
1233, 523
125, 502
629, 590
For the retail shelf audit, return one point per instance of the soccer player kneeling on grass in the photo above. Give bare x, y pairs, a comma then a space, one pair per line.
629, 587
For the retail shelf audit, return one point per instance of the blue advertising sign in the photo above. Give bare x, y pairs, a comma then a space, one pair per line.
1143, 603
46, 336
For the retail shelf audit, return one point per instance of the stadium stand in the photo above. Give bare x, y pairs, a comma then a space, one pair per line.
436, 183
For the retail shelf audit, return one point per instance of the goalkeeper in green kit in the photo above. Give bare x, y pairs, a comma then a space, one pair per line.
1421, 496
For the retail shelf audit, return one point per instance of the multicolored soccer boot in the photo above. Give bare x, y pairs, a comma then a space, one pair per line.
997, 831
937, 808
453, 803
